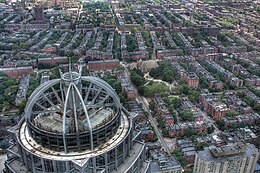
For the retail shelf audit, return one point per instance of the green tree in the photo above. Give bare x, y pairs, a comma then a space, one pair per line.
175, 101
232, 113
186, 115
201, 145
221, 124
137, 77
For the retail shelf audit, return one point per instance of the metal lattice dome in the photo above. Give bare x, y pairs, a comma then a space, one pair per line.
75, 110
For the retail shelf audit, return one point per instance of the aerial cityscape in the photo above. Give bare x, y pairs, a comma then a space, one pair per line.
129, 86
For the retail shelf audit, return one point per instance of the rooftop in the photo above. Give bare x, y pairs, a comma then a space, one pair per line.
207, 154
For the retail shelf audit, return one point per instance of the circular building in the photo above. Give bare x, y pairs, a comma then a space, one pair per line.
75, 124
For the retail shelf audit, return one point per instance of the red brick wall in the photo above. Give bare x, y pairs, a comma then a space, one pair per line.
17, 72
103, 65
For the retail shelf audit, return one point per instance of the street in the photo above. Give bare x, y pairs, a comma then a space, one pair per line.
145, 104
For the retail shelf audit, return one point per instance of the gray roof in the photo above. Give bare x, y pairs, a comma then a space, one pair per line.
208, 156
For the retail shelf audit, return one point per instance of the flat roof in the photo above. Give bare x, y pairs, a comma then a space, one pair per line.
208, 156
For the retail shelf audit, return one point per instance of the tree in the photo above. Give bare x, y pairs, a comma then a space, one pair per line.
257, 108
180, 157
151, 105
165, 132
210, 129
232, 125
137, 77
22, 106
232, 113
186, 115
221, 124
164, 71
175, 101
204, 82
189, 132
201, 145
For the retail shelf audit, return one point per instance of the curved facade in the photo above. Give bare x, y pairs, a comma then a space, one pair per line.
75, 124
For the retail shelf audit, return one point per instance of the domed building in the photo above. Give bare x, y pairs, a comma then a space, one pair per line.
75, 124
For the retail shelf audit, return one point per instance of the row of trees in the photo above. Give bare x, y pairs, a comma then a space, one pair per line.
8, 90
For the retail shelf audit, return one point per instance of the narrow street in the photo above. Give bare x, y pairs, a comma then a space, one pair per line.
145, 105
153, 123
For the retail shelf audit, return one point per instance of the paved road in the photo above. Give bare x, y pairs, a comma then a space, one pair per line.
212, 122
154, 124
150, 117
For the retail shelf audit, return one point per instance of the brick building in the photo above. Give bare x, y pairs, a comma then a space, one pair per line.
52, 60
16, 71
213, 106
103, 64
189, 77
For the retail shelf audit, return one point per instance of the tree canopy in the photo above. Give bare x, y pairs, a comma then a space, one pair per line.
164, 72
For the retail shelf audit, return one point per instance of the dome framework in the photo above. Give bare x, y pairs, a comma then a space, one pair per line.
76, 124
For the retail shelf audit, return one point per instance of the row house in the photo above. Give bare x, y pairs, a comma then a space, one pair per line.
126, 85
189, 77
197, 113
213, 106
156, 43
246, 119
53, 60
146, 131
188, 149
41, 43
189, 30
85, 26
153, 28
17, 71
175, 58
185, 41
135, 55
82, 47
94, 54
103, 64
254, 55
34, 38
210, 30
216, 56
228, 76
200, 71
250, 80
140, 41
61, 39
203, 50
160, 54
170, 40
162, 109
110, 42
13, 63
68, 47
163, 18
232, 49
180, 128
235, 103
254, 97
36, 26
